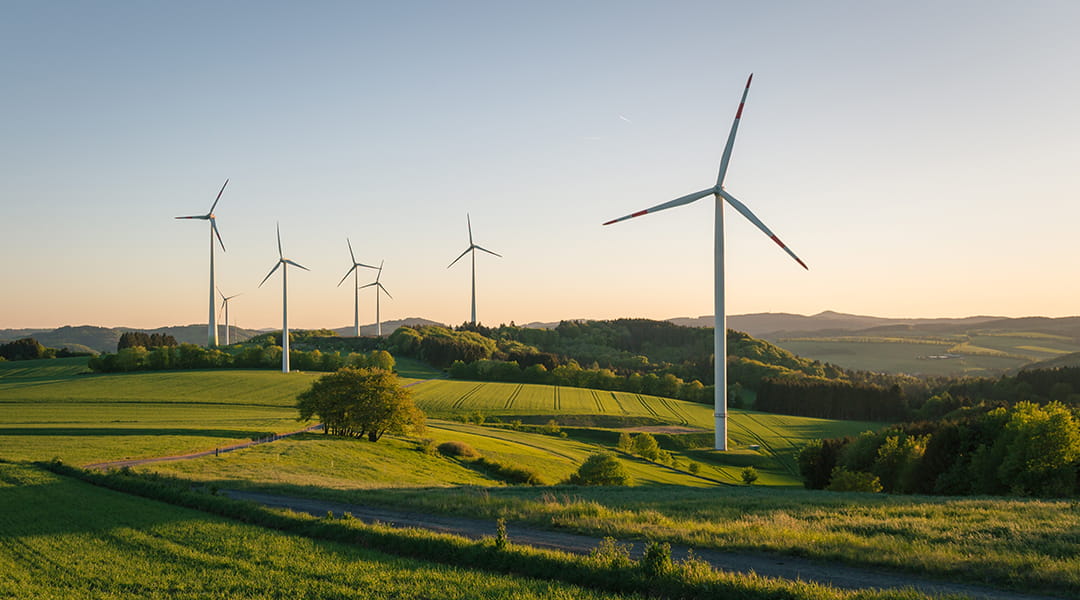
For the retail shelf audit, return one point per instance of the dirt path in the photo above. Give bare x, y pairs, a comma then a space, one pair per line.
839, 576
132, 462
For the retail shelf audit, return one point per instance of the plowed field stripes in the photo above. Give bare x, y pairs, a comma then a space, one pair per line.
673, 409
558, 398
513, 395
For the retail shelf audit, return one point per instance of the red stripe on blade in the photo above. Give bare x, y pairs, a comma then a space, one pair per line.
738, 115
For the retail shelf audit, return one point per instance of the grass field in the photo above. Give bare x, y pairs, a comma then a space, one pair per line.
65, 539
48, 409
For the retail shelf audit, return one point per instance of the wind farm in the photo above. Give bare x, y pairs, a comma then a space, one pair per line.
886, 409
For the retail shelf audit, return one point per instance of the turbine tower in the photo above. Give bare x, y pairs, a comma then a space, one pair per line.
225, 308
378, 286
720, 321
284, 299
212, 337
472, 248
355, 271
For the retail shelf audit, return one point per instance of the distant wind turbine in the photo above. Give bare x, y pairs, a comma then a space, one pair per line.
355, 271
225, 308
284, 299
378, 286
472, 248
212, 337
720, 321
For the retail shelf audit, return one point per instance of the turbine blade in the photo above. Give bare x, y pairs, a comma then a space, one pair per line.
219, 291
459, 257
270, 273
203, 217
350, 251
488, 251
368, 285
279, 252
739, 206
218, 196
213, 225
289, 262
469, 221
384, 291
235, 295
363, 265
687, 199
224, 303
347, 273
731, 136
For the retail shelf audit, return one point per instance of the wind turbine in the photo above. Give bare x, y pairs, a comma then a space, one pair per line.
378, 286
225, 307
284, 299
355, 270
720, 321
212, 338
473, 247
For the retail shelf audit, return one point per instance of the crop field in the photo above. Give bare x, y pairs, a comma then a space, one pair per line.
67, 539
449, 398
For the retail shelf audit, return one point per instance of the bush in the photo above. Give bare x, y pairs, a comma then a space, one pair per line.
844, 480
602, 468
749, 475
459, 449
509, 472
646, 446
427, 446
694, 468
656, 561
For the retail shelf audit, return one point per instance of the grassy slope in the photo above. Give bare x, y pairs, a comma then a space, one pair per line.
67, 539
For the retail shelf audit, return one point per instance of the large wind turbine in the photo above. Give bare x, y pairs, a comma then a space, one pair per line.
472, 248
284, 299
225, 308
355, 271
212, 338
378, 286
720, 322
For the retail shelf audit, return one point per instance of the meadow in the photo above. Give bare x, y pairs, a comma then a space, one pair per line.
66, 539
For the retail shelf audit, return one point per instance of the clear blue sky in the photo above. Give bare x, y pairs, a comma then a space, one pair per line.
921, 157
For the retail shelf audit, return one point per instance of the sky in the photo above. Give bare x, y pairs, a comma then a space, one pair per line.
921, 157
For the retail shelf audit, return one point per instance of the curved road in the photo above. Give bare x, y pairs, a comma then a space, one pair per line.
783, 567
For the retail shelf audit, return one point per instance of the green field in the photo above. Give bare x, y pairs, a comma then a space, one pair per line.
65, 539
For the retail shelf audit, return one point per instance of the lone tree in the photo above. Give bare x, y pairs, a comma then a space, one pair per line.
361, 402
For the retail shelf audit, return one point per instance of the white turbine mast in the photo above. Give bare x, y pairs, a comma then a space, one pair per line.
378, 286
212, 333
720, 321
282, 261
355, 271
473, 247
225, 308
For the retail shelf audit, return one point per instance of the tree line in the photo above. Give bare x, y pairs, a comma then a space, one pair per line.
1026, 449
191, 356
130, 339
31, 349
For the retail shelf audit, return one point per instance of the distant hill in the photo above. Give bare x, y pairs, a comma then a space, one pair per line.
776, 325
388, 327
84, 338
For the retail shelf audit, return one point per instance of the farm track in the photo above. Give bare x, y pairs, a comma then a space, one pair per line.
461, 400
778, 566
674, 410
558, 398
599, 403
513, 396
619, 404
650, 409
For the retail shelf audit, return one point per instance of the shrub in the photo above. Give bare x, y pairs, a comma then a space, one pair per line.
427, 446
626, 443
844, 480
552, 428
510, 472
602, 468
656, 561
694, 468
460, 449
749, 475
